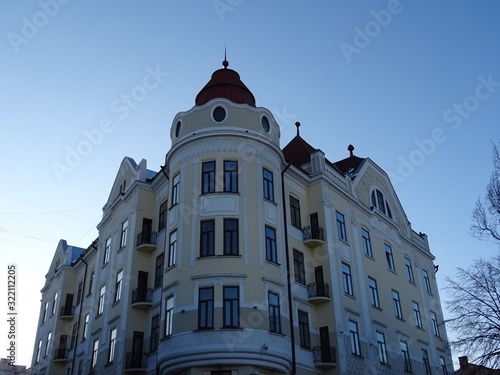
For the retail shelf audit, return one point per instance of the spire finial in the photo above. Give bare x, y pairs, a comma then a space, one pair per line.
350, 148
225, 63
297, 124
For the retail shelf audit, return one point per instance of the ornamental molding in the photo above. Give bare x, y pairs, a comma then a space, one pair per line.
249, 149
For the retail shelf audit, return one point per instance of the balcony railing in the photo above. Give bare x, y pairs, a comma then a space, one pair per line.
315, 290
135, 360
61, 354
142, 297
66, 311
313, 235
324, 355
146, 241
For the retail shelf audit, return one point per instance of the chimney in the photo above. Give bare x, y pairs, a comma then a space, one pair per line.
463, 361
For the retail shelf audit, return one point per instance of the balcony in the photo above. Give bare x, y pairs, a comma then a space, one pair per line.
324, 356
135, 363
146, 241
313, 236
61, 356
142, 298
318, 293
66, 313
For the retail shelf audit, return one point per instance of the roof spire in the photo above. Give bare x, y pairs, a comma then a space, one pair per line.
225, 63
350, 148
297, 124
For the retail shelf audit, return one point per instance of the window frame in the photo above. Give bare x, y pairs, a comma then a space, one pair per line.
112, 345
230, 176
208, 177
304, 331
102, 296
54, 303
268, 182
273, 300
367, 244
95, 353
389, 257
207, 238
405, 350
172, 248
159, 267
176, 180
417, 315
374, 298
154, 337
347, 279
435, 324
299, 267
123, 234
381, 347
354, 337
271, 248
169, 315
295, 212
409, 270
86, 322
231, 244
231, 307
162, 216
47, 344
206, 309
341, 228
427, 281
107, 251
398, 311
118, 286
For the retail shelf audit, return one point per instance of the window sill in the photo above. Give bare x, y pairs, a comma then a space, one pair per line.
273, 263
349, 295
370, 256
344, 241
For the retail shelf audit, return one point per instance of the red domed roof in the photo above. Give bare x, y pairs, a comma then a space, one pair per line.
225, 83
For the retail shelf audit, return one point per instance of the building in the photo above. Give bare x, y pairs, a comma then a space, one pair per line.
242, 257
6, 368
467, 368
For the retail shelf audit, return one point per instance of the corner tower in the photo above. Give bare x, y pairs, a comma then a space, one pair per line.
226, 281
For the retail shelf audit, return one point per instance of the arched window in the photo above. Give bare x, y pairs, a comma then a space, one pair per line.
379, 201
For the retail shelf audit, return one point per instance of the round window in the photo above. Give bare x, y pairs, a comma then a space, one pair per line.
219, 114
178, 129
265, 124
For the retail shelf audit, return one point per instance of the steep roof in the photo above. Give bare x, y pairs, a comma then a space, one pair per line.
225, 83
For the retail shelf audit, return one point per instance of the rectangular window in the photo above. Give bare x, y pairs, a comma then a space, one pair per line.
47, 345
85, 327
435, 325
295, 212
107, 250
382, 348
406, 355
80, 367
372, 284
172, 249
409, 270
347, 279
155, 334
231, 237
207, 238
169, 314
268, 185
79, 294
367, 245
159, 270
354, 336
208, 177
175, 189
274, 312
123, 237
389, 257
112, 345
298, 267
271, 253
100, 305
54, 303
206, 308
427, 281
416, 314
162, 219
304, 335
118, 286
231, 307
397, 305
74, 336
45, 312
230, 176
341, 226
38, 351
442, 363
91, 282
425, 360
95, 352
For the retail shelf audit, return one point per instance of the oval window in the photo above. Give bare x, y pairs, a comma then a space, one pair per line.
178, 128
219, 114
265, 124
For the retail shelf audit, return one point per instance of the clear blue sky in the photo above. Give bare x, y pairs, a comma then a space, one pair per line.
414, 85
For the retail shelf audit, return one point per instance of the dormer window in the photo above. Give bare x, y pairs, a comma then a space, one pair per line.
379, 201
